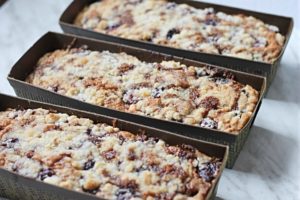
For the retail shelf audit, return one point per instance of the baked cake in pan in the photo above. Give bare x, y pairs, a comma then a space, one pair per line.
77, 154
185, 27
169, 90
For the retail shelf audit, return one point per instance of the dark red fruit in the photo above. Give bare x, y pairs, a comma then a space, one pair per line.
211, 22
88, 164
156, 93
109, 155
210, 102
208, 171
10, 142
129, 97
172, 32
209, 123
45, 173
124, 194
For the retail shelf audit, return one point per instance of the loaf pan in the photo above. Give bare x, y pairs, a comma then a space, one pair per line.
285, 24
15, 186
52, 41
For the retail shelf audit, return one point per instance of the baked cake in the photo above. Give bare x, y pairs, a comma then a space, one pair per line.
78, 154
185, 27
168, 90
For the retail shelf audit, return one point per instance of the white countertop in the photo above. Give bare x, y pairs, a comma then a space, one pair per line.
268, 166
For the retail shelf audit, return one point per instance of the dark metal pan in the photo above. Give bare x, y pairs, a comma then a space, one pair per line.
14, 186
52, 41
285, 24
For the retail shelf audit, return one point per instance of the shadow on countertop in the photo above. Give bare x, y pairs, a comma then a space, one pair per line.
266, 154
2, 2
285, 86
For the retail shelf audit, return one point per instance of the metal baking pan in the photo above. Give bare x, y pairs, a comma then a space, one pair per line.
15, 186
285, 24
52, 41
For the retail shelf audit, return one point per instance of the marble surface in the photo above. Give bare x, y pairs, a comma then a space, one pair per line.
268, 166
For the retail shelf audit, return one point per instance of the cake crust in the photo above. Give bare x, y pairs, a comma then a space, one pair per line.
185, 27
194, 95
101, 160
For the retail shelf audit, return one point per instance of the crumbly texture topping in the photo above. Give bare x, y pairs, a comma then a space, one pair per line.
169, 90
185, 27
99, 159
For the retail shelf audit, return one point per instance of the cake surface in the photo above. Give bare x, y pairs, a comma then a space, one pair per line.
185, 27
99, 159
168, 90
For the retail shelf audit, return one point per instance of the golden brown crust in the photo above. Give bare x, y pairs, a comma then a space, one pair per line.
168, 90
183, 26
102, 160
